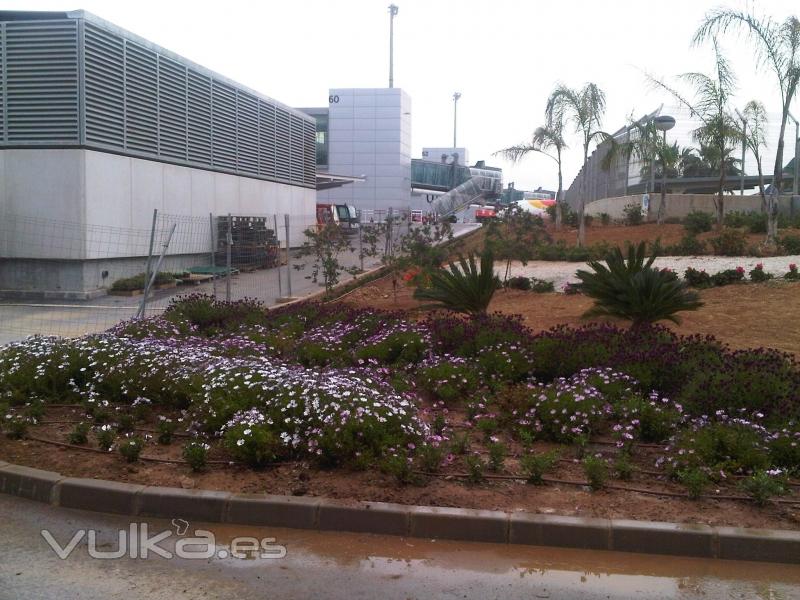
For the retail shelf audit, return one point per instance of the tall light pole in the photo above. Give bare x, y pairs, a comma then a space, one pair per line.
456, 96
795, 183
663, 123
392, 12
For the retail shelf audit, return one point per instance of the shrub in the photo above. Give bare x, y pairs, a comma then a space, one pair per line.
688, 246
729, 447
137, 282
252, 443
754, 222
16, 426
697, 222
536, 465
727, 277
460, 445
431, 456
632, 214
519, 283
463, 288
125, 423
570, 289
497, 455
196, 454
790, 243
784, 449
449, 378
540, 286
695, 481
605, 219
131, 448
696, 278
763, 485
758, 274
652, 419
400, 466
730, 242
623, 467
596, 471
106, 436
792, 274
634, 290
475, 468
209, 315
79, 434
166, 429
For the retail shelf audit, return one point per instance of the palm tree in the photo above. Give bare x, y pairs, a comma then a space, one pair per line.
718, 132
584, 108
648, 146
547, 140
777, 47
754, 137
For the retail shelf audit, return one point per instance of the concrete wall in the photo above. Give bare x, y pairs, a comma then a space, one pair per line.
680, 205
369, 132
95, 210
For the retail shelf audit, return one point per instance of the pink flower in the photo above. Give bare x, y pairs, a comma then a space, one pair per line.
740, 269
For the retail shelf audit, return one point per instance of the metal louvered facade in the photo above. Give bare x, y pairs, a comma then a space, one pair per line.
78, 81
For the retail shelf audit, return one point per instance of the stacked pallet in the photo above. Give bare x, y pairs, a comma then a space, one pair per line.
254, 245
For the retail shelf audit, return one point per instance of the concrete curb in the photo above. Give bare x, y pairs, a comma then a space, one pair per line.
702, 541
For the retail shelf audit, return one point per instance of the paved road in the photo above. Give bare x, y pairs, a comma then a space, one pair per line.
348, 566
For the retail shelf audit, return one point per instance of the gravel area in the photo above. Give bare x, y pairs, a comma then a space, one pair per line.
561, 273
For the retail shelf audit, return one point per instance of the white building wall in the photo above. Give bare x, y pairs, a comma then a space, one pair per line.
369, 134
74, 204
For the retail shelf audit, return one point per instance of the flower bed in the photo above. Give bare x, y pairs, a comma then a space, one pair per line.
372, 391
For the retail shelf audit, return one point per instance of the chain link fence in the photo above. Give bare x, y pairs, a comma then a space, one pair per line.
69, 278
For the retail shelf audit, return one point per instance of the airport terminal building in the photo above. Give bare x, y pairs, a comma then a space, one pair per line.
98, 127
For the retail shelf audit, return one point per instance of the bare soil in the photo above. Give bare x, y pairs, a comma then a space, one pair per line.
447, 489
743, 315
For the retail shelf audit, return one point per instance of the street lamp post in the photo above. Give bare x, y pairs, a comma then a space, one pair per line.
456, 96
663, 123
392, 13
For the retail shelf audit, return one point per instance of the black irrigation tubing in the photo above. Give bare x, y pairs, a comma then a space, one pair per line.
143, 458
606, 486
441, 475
181, 434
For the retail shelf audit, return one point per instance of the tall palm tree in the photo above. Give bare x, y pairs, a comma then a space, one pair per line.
583, 108
754, 138
645, 143
718, 130
778, 47
547, 140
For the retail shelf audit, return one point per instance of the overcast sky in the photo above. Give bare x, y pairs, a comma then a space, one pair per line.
504, 56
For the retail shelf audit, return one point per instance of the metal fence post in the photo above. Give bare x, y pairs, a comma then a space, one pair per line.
360, 246
148, 284
288, 257
277, 239
143, 305
228, 244
213, 255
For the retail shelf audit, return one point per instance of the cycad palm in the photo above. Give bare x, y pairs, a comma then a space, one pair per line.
634, 290
462, 287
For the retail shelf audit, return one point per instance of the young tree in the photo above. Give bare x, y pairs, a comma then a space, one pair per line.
754, 137
515, 236
583, 108
547, 140
778, 47
324, 246
718, 130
